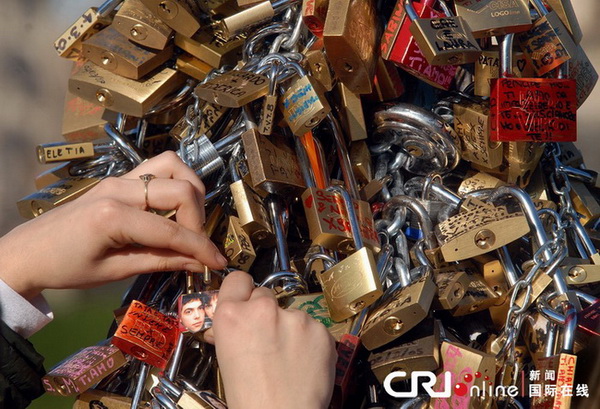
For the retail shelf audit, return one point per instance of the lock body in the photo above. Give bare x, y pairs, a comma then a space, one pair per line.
238, 246
136, 22
304, 105
487, 67
234, 88
493, 18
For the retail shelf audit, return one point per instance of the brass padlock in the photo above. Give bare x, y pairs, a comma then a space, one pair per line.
584, 202
479, 231
238, 246
477, 181
135, 21
180, 15
487, 67
234, 88
452, 283
241, 21
444, 40
471, 123
53, 175
210, 116
94, 398
68, 45
318, 64
493, 18
82, 370
54, 195
478, 296
84, 121
193, 67
303, 104
209, 46
273, 168
353, 284
352, 117
124, 95
360, 156
350, 38
314, 13
114, 52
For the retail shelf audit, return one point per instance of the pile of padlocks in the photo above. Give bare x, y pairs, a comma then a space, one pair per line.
362, 159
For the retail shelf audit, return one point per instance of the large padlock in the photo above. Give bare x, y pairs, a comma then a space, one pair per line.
399, 46
443, 40
135, 21
531, 109
494, 17
352, 284
547, 44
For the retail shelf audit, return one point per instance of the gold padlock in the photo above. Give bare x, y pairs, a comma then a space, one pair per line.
135, 21
95, 398
61, 151
238, 246
192, 66
124, 95
478, 180
318, 65
210, 47
114, 52
452, 284
234, 88
487, 67
180, 15
352, 117
84, 121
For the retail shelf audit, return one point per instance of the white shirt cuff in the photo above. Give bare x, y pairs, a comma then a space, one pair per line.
22, 316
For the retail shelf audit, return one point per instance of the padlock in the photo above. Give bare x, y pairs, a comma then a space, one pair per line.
211, 116
443, 40
478, 296
352, 284
250, 17
84, 121
547, 44
472, 371
487, 67
53, 175
588, 319
303, 104
539, 335
494, 17
531, 109
82, 370
135, 21
563, 364
318, 64
350, 38
351, 113
399, 46
477, 181
387, 84
478, 231
584, 202
314, 13
361, 162
54, 195
269, 105
233, 89
273, 166
94, 398
114, 52
62, 152
452, 284
181, 15
124, 95
422, 354
209, 46
471, 123
68, 45
238, 246
193, 67
147, 334
566, 13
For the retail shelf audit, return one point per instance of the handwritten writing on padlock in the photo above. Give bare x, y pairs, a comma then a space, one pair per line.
147, 334
533, 109
333, 215
82, 370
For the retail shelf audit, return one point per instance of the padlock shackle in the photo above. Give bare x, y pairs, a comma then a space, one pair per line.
410, 10
139, 386
173, 368
163, 399
418, 210
352, 217
169, 387
305, 166
107, 7
570, 326
328, 262
540, 7
344, 157
130, 151
277, 213
446, 8
506, 57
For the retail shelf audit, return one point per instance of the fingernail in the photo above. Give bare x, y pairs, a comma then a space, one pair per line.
220, 259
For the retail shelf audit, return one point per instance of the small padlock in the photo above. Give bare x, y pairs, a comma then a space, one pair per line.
477, 181
82, 370
181, 15
114, 52
443, 40
494, 17
547, 44
124, 95
352, 284
452, 284
531, 109
318, 64
267, 113
399, 46
135, 21
147, 334
250, 17
68, 45
350, 38
238, 246
209, 46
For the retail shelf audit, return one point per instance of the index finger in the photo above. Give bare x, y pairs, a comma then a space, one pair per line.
237, 286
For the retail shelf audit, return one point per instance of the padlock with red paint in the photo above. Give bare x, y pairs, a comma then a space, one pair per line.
531, 109
399, 46
147, 334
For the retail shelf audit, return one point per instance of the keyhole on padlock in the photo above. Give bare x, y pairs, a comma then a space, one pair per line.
106, 60
357, 306
318, 67
167, 9
104, 97
458, 291
138, 32
393, 325
484, 239
577, 274
414, 150
348, 67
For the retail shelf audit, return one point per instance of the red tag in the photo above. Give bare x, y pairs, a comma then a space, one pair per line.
533, 110
147, 335
347, 350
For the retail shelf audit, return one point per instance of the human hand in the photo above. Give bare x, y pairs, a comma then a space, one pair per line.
106, 235
269, 357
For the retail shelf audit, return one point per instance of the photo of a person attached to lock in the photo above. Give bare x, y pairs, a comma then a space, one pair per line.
196, 310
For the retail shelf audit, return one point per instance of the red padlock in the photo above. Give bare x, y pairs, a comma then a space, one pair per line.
531, 109
147, 334
399, 46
